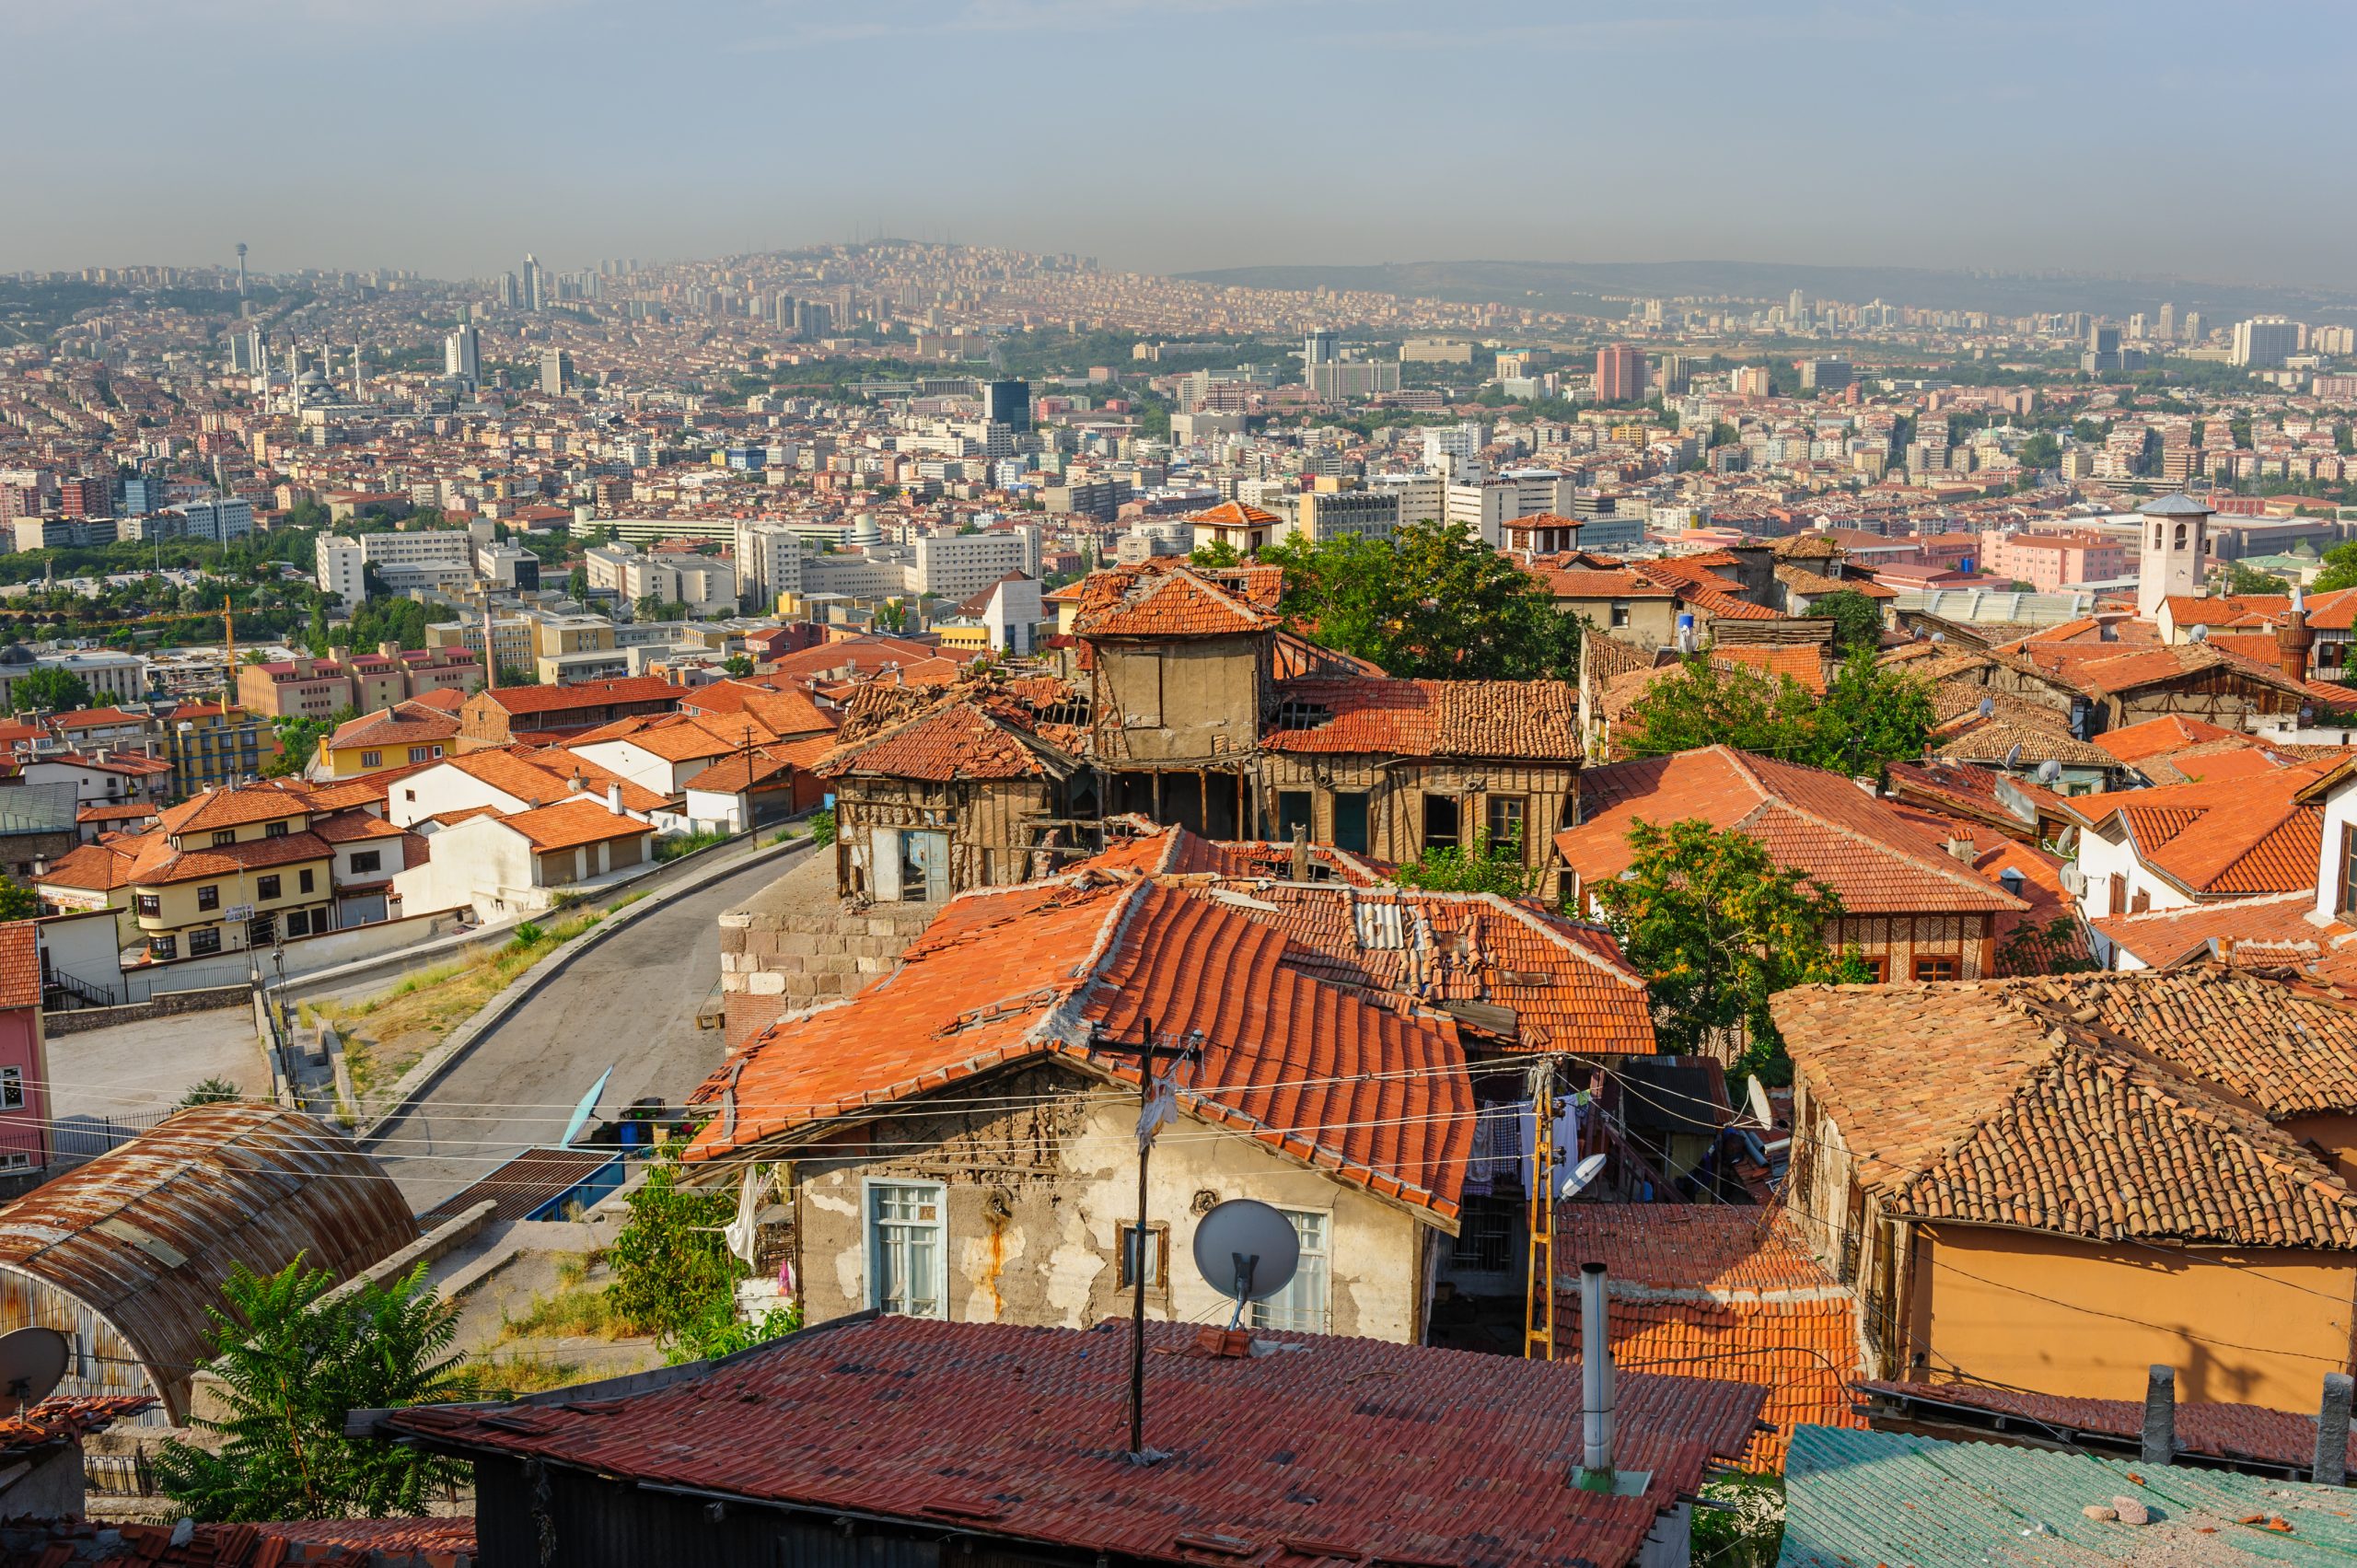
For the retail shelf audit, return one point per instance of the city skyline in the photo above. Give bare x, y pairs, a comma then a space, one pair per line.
2112, 140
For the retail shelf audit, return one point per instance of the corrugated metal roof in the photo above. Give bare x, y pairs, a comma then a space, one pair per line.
1856, 1498
144, 1236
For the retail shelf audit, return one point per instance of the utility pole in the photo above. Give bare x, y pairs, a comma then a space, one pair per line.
1147, 1053
1538, 1299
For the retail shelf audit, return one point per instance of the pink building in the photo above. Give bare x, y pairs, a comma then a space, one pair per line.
24, 1060
2052, 562
1619, 374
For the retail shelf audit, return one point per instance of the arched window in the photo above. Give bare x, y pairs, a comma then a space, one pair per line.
2156, 536
2180, 536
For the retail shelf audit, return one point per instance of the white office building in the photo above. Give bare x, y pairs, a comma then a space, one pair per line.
438, 558
769, 556
957, 567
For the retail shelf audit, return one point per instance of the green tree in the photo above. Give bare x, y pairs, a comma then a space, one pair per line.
298, 742
292, 1361
1869, 715
2340, 569
1217, 553
1487, 868
576, 583
1717, 927
17, 901
2040, 451
669, 1261
1432, 601
46, 686
1857, 620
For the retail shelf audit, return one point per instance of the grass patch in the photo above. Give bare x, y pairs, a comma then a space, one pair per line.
577, 1311
688, 843
515, 1376
384, 1035
625, 901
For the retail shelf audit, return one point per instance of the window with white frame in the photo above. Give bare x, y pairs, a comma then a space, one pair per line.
905, 1249
12, 1088
1302, 1305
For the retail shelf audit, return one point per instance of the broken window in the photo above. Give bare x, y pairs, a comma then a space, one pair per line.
1293, 812
1441, 819
904, 1249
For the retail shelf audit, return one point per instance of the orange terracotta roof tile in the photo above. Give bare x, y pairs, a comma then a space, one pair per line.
569, 824
1537, 720
1171, 603
19, 964
1029, 973
1863, 849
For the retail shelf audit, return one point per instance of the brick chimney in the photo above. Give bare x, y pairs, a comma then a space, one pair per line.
2294, 638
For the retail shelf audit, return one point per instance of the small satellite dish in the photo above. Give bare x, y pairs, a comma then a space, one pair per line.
2049, 772
1588, 1170
33, 1363
2013, 755
1245, 1250
1987, 707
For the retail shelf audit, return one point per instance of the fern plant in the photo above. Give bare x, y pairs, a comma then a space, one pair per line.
291, 1363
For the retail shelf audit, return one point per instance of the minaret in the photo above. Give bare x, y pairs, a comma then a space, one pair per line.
2175, 537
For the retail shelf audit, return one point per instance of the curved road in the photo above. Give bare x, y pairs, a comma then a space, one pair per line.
630, 1003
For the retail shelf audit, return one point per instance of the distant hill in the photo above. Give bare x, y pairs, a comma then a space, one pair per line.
1582, 287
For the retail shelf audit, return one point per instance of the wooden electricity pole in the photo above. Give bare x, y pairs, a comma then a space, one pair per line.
1539, 1298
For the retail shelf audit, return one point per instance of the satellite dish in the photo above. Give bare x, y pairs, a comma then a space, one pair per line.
1588, 1170
33, 1363
1245, 1250
2049, 772
1987, 707
2013, 755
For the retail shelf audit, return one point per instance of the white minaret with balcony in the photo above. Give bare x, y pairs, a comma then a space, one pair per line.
2176, 537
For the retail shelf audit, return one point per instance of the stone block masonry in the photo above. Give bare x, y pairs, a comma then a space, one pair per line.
793, 946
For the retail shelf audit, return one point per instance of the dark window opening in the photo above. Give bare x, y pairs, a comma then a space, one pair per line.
1442, 821
1293, 812
1350, 822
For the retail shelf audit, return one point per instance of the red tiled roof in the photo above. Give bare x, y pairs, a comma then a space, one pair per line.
2155, 738
1234, 513
1991, 1102
569, 824
1534, 720
2272, 928
960, 738
19, 965
538, 700
229, 806
2224, 837
1175, 602
1339, 1450
1729, 1290
1877, 859
1020, 974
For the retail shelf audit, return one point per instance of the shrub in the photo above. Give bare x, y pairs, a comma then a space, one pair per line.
822, 827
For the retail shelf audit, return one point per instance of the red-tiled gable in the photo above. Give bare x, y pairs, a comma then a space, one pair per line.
1339, 1450
785, 713
569, 824
230, 807
2216, 761
1172, 603
1235, 515
2246, 1433
96, 868
1733, 1290
19, 965
2270, 930
2334, 611
354, 826
961, 739
158, 862
1534, 720
1873, 856
1983, 1103
1582, 583
447, 700
100, 719
1560, 985
2224, 838
1019, 974
2227, 610
1691, 576
396, 726
2156, 737
540, 700
2106, 669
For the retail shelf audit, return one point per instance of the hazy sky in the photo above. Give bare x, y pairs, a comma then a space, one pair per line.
451, 135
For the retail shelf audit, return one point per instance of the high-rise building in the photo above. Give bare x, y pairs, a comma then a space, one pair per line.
2136, 328
2167, 327
1320, 347
532, 299
556, 372
462, 353
85, 497
1619, 374
248, 356
1796, 309
2194, 326
2264, 342
1824, 375
508, 293
1007, 403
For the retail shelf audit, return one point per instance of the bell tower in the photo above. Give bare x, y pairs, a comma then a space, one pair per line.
2175, 541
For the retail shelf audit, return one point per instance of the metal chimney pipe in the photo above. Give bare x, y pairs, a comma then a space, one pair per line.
2332, 1432
2160, 1416
1595, 1383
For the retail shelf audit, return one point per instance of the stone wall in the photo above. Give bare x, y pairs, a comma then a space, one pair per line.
164, 1005
793, 944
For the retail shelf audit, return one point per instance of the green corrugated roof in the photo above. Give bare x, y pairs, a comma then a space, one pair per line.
1865, 1498
37, 809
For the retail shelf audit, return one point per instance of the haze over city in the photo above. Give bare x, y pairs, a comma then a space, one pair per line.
2164, 138
1318, 784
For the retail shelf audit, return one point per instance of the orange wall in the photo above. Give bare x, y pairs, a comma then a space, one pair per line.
2085, 1321
2336, 1134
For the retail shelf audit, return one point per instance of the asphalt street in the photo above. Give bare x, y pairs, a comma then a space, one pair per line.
630, 1003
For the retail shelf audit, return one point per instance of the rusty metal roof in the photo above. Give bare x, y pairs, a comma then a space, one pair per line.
144, 1236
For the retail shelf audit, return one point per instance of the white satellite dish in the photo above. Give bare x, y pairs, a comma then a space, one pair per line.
1987, 707
1588, 1170
1247, 1251
2049, 772
33, 1363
